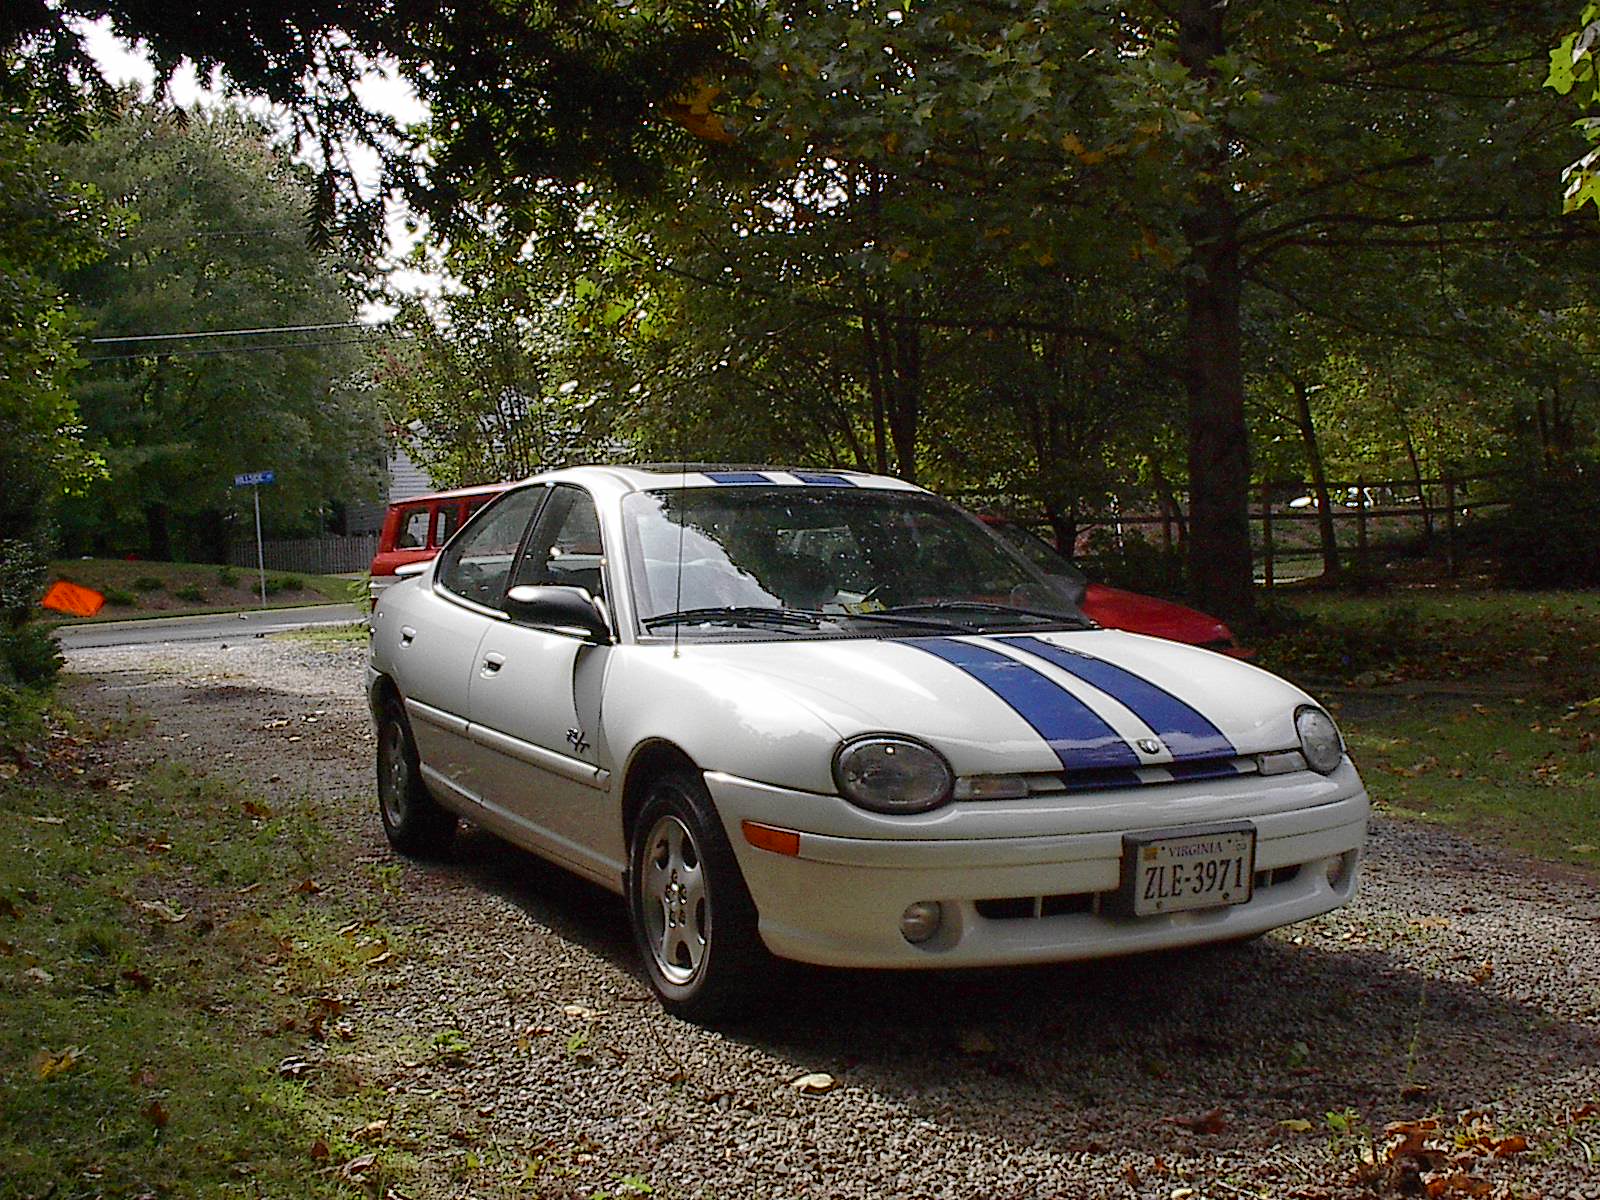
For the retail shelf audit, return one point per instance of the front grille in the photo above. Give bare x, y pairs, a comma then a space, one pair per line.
1187, 771
1018, 908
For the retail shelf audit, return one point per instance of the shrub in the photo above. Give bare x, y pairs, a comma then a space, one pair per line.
191, 593
147, 583
285, 583
29, 656
118, 598
227, 577
1547, 537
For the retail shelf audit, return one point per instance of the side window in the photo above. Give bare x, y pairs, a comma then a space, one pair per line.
449, 520
477, 564
565, 546
412, 531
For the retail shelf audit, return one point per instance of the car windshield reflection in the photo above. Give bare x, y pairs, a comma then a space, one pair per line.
806, 561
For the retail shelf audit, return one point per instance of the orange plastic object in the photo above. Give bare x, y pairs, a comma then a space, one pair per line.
73, 599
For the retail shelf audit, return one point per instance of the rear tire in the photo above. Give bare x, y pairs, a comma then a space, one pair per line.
413, 820
692, 916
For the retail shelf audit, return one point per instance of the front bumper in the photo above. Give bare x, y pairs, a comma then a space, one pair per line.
1028, 881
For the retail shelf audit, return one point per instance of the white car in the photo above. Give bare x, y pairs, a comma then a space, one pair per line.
830, 717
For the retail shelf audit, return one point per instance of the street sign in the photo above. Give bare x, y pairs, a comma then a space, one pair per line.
253, 480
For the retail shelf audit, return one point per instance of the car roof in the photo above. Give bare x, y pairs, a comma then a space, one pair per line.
655, 476
482, 489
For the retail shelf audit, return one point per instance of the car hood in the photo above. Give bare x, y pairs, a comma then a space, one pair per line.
1118, 609
1078, 700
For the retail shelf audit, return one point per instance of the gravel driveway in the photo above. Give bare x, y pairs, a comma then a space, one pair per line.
1463, 986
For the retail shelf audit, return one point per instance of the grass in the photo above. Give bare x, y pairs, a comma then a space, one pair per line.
142, 589
329, 635
160, 956
1480, 711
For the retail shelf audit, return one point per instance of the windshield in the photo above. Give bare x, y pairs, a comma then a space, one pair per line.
862, 561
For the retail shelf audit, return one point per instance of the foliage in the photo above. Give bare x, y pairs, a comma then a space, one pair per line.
483, 388
1573, 73
1549, 531
214, 238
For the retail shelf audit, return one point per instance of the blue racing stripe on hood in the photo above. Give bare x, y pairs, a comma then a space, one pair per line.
1182, 727
1080, 739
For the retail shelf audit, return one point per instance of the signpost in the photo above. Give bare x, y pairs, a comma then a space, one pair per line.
253, 480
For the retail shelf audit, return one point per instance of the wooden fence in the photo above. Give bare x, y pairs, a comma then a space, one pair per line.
333, 554
1368, 517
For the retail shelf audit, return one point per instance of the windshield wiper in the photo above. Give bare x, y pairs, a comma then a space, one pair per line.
737, 614
985, 606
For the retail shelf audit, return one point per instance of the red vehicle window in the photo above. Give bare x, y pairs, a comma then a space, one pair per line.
449, 521
412, 531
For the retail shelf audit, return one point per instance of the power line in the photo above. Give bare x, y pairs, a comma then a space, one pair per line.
213, 333
257, 349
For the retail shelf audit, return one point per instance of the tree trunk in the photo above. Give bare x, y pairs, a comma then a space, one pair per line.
1220, 569
1319, 480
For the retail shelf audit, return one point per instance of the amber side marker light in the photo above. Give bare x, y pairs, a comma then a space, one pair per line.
765, 837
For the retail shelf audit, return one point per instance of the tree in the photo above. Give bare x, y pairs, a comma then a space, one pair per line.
47, 225
213, 240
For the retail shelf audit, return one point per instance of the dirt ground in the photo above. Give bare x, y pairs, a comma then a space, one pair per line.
1462, 989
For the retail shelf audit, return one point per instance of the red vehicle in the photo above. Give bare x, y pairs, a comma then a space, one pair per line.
1115, 608
414, 529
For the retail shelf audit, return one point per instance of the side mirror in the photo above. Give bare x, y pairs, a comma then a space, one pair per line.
564, 609
407, 570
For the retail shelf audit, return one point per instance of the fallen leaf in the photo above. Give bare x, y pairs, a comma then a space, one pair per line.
1296, 1125
144, 1078
8, 770
156, 1113
293, 1068
377, 960
319, 1150
49, 1063
1484, 972
579, 1011
1213, 1120
161, 909
139, 979
815, 1084
39, 975
257, 810
307, 887
1515, 1144
1130, 1176
1181, 1193
1584, 848
371, 1131
49, 820
359, 1166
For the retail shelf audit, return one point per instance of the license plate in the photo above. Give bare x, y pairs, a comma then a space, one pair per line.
1176, 870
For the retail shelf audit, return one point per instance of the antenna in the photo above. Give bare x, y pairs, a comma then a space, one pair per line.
683, 520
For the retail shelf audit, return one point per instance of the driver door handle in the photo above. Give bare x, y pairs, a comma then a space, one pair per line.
492, 663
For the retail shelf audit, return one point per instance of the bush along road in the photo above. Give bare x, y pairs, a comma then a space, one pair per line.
219, 980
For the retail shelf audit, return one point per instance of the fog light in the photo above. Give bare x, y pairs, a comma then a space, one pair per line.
1339, 868
920, 921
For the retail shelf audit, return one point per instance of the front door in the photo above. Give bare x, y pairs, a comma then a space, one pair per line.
535, 699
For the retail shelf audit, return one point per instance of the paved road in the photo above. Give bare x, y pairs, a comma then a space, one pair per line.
219, 627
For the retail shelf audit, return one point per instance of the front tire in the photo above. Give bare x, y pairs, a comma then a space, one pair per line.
692, 916
412, 819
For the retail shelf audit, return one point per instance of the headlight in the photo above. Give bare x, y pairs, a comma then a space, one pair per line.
1319, 740
892, 774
